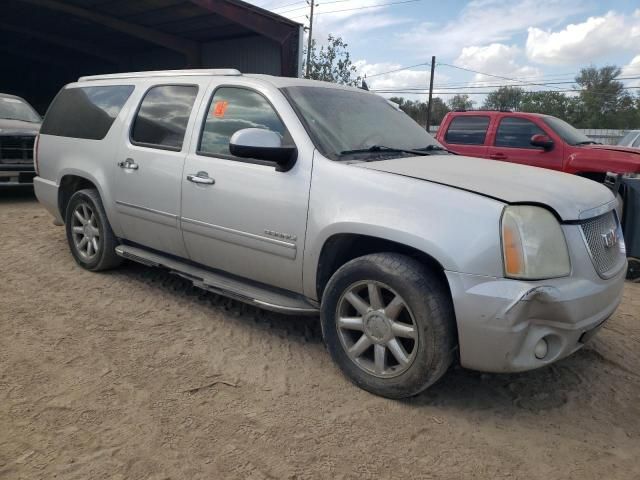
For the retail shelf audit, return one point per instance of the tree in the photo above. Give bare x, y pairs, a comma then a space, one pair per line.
438, 110
460, 102
505, 98
418, 110
332, 63
600, 95
551, 103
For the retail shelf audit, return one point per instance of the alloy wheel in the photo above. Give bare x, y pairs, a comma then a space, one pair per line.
85, 231
377, 329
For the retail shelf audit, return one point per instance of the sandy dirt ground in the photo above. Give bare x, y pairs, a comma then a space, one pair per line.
136, 374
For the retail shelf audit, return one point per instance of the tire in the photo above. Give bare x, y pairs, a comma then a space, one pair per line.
428, 309
633, 270
97, 230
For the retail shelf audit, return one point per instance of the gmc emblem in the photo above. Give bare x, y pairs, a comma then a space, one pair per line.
610, 238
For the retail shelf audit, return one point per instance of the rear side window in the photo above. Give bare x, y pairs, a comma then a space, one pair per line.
85, 112
467, 130
517, 133
161, 121
637, 142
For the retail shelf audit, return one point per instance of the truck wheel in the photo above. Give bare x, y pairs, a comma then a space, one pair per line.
89, 234
388, 323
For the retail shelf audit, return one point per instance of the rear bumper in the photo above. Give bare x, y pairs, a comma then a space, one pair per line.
500, 321
11, 175
47, 194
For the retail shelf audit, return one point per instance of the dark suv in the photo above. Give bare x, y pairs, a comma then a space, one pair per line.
19, 125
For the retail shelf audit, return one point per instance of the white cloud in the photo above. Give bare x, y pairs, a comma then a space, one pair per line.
483, 22
398, 80
497, 59
584, 42
632, 69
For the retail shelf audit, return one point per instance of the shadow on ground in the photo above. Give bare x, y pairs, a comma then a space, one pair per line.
16, 194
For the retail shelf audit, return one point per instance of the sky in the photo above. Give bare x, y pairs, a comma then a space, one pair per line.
526, 41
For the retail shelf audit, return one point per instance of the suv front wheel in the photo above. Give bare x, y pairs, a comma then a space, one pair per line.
388, 323
89, 234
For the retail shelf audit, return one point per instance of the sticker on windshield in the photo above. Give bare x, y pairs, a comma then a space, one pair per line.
220, 109
11, 100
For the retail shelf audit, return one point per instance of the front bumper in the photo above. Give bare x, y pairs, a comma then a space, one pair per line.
20, 174
500, 321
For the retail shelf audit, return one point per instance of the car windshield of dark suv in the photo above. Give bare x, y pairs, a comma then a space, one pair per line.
568, 133
347, 125
15, 109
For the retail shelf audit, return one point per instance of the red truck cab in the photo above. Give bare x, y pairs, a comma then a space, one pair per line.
533, 139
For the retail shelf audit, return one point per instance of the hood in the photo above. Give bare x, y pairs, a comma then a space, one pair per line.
571, 197
613, 148
18, 127
604, 158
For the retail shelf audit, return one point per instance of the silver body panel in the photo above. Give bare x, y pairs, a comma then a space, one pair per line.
270, 227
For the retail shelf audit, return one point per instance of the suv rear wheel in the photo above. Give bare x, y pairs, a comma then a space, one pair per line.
389, 325
89, 234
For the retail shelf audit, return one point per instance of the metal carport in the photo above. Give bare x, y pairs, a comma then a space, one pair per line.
47, 43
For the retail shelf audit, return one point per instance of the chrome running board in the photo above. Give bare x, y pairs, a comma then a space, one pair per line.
246, 291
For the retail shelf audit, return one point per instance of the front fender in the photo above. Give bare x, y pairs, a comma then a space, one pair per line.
459, 229
603, 161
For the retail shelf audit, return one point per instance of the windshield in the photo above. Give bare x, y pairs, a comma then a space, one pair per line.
568, 133
628, 138
16, 109
346, 122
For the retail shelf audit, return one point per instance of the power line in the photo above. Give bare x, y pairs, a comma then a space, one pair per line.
488, 74
287, 5
368, 6
425, 91
293, 9
453, 87
541, 78
397, 70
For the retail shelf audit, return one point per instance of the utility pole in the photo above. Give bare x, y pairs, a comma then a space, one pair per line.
433, 67
310, 37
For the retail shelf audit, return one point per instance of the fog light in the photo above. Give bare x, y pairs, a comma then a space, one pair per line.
541, 349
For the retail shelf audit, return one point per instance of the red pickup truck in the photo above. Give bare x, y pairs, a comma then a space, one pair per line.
534, 139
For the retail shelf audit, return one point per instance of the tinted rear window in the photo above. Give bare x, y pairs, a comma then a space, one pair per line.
467, 130
85, 112
163, 116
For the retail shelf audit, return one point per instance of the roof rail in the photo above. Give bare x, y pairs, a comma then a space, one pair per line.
165, 73
506, 110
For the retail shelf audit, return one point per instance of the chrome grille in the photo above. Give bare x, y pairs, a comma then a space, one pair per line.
606, 259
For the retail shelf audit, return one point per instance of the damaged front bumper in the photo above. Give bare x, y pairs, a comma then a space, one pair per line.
511, 325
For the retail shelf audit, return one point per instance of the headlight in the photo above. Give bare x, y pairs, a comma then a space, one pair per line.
533, 244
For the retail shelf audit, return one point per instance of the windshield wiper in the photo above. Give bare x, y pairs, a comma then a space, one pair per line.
432, 148
587, 142
383, 149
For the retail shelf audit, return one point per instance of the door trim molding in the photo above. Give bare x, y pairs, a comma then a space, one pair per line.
147, 209
241, 233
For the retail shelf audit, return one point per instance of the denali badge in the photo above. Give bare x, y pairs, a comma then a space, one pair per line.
610, 238
284, 236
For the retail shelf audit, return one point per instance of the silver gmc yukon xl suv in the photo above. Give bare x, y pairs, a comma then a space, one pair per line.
307, 197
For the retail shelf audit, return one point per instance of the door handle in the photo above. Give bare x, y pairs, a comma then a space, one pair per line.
128, 164
498, 156
202, 178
